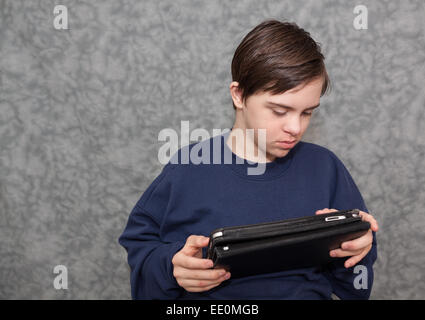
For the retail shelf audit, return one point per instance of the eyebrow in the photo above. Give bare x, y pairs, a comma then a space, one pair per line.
289, 107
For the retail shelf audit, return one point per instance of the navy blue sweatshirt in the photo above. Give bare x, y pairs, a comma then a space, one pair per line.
194, 198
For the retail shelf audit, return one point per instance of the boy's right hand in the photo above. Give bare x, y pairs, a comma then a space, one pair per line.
192, 272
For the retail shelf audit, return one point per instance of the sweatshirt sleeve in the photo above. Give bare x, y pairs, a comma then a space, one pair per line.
149, 257
354, 282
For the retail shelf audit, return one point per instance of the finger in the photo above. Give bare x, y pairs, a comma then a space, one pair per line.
191, 283
339, 253
358, 243
325, 210
356, 259
322, 211
369, 218
200, 274
189, 262
194, 243
198, 289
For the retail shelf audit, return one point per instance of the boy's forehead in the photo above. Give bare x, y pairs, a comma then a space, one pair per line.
310, 86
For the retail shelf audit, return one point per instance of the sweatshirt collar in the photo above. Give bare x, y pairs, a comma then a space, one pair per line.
272, 169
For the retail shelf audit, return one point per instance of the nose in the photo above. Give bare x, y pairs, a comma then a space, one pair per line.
292, 125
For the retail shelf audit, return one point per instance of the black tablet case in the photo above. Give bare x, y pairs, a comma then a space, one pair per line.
282, 245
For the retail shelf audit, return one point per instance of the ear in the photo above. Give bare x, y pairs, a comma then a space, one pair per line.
236, 94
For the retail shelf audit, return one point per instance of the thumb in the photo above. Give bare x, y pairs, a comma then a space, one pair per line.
194, 244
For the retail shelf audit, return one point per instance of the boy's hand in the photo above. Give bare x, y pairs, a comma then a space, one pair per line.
192, 272
357, 248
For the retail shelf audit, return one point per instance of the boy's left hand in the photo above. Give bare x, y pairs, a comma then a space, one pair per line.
357, 248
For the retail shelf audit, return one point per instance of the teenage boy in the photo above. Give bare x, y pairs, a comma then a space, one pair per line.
278, 77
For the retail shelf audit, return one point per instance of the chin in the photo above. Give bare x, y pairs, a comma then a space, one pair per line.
279, 153
282, 153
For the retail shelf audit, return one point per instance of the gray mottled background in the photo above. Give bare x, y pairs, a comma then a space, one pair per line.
81, 109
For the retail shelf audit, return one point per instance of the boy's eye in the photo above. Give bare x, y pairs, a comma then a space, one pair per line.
283, 113
279, 113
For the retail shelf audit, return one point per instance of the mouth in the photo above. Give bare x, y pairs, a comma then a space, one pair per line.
286, 144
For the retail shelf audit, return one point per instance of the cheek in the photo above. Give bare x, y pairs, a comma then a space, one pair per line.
304, 123
274, 132
259, 120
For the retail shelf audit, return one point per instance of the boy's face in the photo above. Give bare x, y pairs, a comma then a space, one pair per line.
282, 123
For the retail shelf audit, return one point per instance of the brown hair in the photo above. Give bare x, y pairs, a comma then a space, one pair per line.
277, 56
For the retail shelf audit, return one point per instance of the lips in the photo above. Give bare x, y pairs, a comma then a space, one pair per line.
286, 144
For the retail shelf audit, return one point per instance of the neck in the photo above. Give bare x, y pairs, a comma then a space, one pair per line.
238, 140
